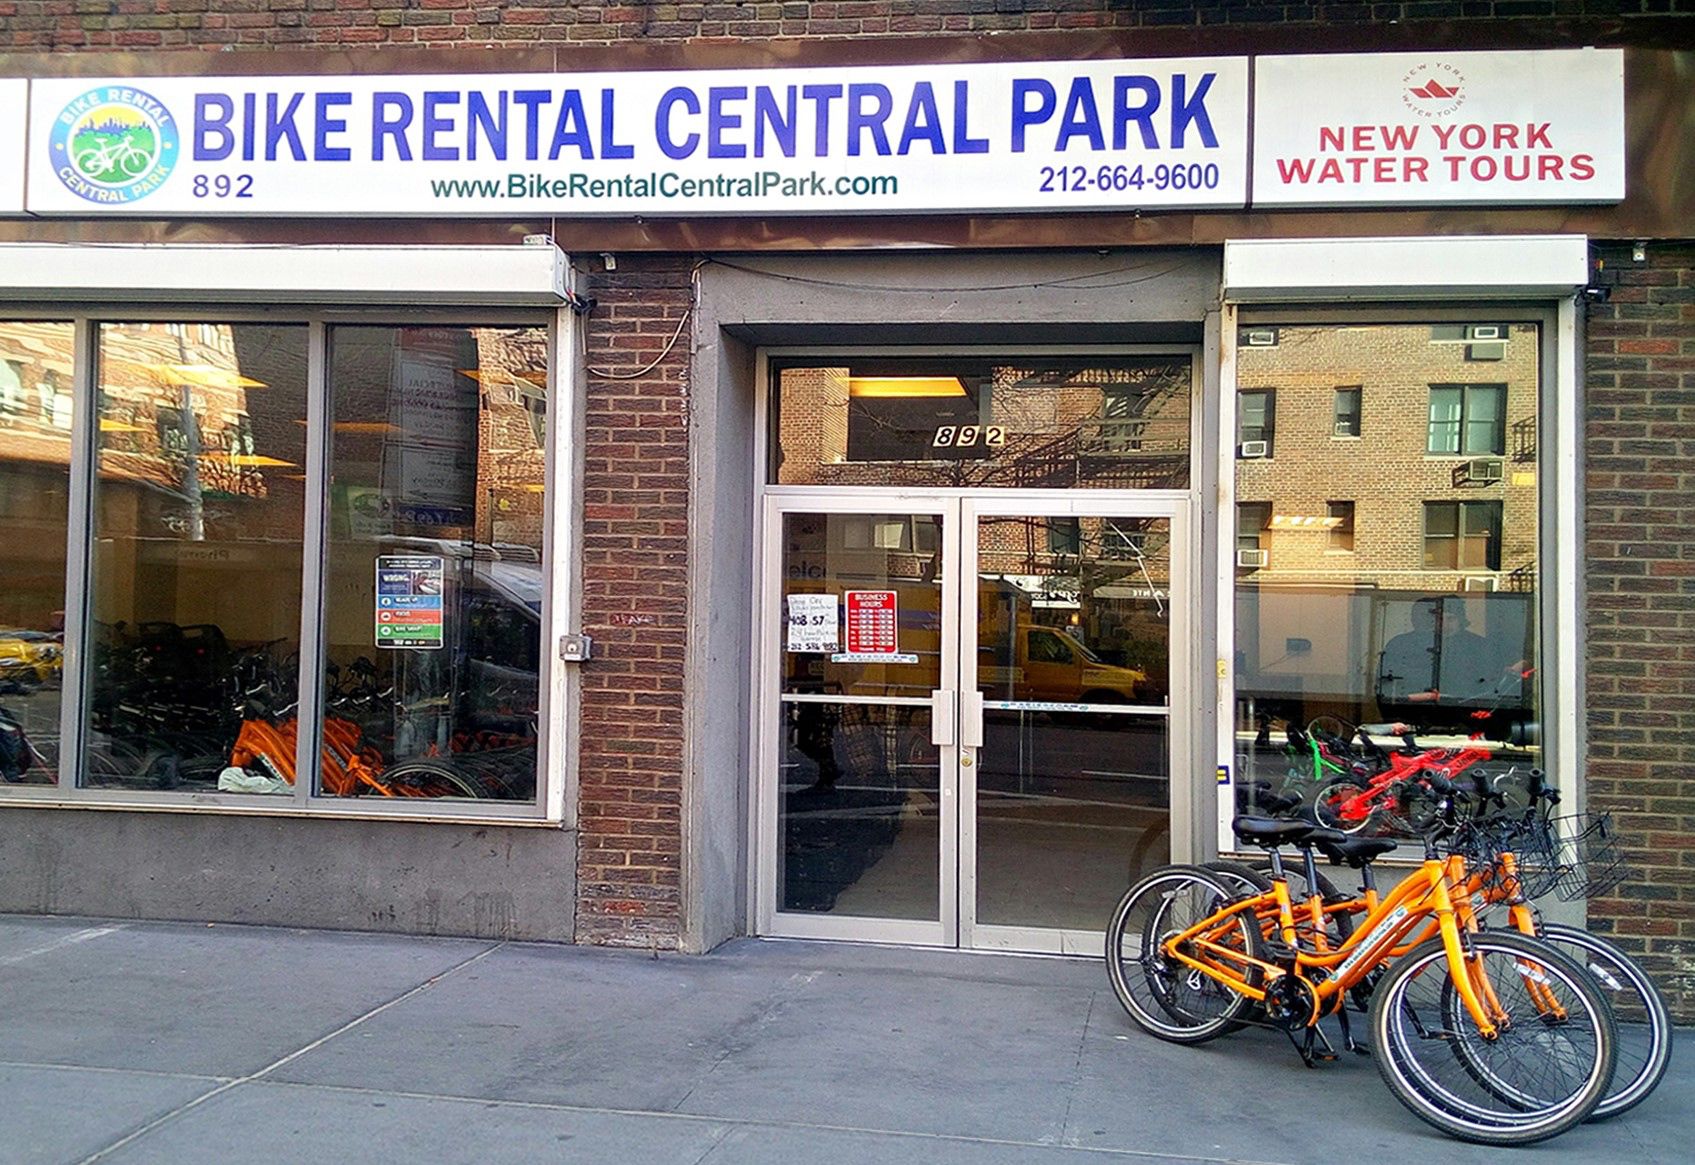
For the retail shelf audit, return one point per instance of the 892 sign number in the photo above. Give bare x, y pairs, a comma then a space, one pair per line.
967, 436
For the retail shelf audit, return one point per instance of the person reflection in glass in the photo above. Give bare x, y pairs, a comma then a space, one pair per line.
1442, 673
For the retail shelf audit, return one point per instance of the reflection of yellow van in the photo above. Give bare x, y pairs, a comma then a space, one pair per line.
1052, 666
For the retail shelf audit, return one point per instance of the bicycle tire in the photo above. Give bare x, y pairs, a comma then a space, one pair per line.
1639, 1013
1179, 1005
1537, 1078
419, 773
1331, 794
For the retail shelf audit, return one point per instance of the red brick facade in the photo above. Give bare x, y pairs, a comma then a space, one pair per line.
212, 25
1641, 599
635, 605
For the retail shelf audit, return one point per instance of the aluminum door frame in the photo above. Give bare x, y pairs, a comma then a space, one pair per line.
1169, 505
768, 700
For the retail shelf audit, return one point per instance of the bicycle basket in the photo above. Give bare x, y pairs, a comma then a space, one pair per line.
1571, 857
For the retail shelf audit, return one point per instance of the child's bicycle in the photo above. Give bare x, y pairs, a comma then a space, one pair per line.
1492, 1037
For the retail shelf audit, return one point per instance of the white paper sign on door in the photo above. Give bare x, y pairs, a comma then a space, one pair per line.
814, 623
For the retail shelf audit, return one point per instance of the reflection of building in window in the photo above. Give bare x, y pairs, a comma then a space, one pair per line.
972, 421
1425, 503
1340, 517
1467, 419
1065, 536
1345, 413
1256, 422
1253, 519
1462, 535
1121, 540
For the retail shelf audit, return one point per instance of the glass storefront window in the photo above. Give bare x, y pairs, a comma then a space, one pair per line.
1387, 585
35, 455
1108, 422
434, 569
199, 507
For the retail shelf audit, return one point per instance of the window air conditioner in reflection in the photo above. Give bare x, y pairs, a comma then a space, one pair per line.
1486, 332
1260, 337
1252, 559
1256, 449
1483, 471
1480, 582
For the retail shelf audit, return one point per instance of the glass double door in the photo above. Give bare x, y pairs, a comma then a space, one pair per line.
968, 712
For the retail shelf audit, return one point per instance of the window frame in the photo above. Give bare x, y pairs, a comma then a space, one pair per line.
1267, 431
1354, 418
1465, 421
1344, 528
1462, 508
554, 804
1398, 286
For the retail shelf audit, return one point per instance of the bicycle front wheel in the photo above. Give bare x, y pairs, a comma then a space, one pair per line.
1165, 997
1545, 1069
1644, 1025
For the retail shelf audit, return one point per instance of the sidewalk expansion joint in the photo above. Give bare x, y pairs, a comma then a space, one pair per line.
735, 1122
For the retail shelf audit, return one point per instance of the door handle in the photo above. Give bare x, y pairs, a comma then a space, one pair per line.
971, 720
944, 716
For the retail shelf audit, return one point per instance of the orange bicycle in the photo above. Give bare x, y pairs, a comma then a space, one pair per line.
1489, 1036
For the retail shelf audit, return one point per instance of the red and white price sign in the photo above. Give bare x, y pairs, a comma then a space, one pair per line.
872, 621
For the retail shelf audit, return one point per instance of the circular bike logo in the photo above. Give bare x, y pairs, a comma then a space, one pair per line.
114, 145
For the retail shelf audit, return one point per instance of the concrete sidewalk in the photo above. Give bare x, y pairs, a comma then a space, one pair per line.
130, 1042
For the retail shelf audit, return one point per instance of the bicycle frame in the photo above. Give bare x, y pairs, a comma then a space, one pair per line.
1418, 902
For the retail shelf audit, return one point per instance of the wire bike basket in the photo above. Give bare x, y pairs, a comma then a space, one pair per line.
1570, 857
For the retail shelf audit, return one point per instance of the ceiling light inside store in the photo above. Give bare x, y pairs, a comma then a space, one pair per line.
905, 386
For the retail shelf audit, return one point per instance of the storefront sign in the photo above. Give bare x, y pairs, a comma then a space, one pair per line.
409, 610
1367, 129
1401, 128
1072, 135
814, 623
14, 115
873, 621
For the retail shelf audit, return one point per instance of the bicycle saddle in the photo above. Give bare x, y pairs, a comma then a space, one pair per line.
1354, 851
1272, 831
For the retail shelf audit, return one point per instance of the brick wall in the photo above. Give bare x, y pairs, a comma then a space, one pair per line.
635, 605
258, 24
1641, 601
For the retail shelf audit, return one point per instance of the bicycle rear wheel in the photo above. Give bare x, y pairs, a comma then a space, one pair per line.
1544, 1071
1639, 1012
1166, 998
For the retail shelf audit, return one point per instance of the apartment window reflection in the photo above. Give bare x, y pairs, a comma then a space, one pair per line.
1345, 413
1253, 520
1462, 535
1339, 517
1468, 419
1256, 423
